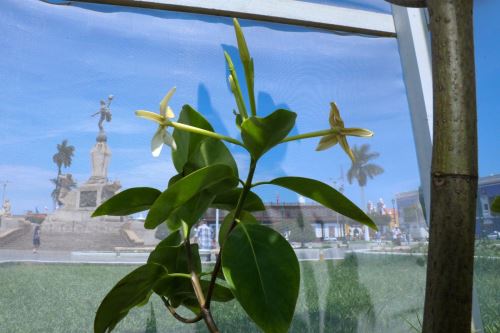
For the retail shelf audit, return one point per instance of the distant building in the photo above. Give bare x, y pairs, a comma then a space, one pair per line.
410, 214
412, 217
325, 222
486, 220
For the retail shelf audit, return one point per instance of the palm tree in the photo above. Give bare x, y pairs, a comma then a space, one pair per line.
361, 169
62, 158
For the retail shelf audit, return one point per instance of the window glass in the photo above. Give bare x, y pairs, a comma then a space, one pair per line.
487, 267
59, 62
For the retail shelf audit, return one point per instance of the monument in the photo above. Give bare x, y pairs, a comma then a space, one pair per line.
78, 204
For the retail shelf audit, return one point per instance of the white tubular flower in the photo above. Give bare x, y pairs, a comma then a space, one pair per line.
161, 136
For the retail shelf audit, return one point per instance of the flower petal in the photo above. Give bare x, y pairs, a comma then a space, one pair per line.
357, 132
169, 140
327, 141
335, 119
345, 146
157, 141
165, 100
170, 112
150, 116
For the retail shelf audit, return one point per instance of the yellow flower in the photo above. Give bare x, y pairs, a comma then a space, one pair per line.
340, 132
161, 136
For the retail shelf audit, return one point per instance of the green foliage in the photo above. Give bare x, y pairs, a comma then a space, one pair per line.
133, 290
204, 183
325, 195
259, 267
263, 272
245, 217
130, 201
228, 200
261, 134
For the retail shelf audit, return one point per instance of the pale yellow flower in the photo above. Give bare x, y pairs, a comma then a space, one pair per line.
337, 124
161, 136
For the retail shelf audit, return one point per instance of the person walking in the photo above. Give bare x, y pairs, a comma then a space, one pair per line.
36, 238
204, 236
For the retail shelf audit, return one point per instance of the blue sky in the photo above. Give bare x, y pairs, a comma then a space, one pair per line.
57, 62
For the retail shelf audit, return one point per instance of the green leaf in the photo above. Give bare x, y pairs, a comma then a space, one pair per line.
188, 142
220, 292
130, 201
247, 62
261, 134
174, 258
325, 195
193, 210
263, 273
173, 239
133, 290
175, 288
185, 189
179, 291
228, 201
210, 151
495, 206
245, 217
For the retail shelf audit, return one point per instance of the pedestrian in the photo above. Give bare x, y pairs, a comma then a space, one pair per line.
36, 238
378, 237
204, 236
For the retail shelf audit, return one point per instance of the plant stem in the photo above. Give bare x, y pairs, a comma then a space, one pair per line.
193, 129
335, 130
237, 213
195, 281
177, 316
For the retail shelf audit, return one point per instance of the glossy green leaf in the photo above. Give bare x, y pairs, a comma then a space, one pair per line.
130, 201
133, 290
210, 151
325, 195
173, 239
245, 217
228, 201
261, 134
247, 62
175, 288
220, 293
174, 258
185, 189
188, 142
263, 273
192, 211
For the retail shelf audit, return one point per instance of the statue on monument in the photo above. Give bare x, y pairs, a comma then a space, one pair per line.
105, 113
6, 207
